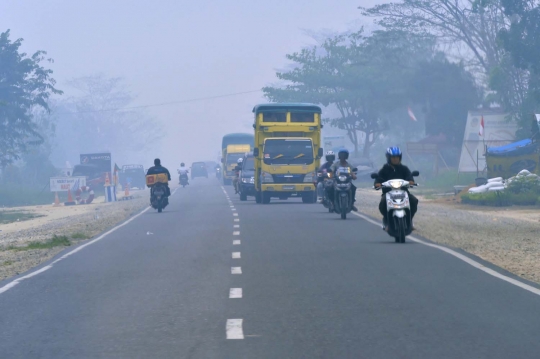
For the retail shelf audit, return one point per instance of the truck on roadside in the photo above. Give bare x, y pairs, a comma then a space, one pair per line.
287, 151
95, 167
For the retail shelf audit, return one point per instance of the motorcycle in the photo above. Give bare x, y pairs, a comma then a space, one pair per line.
326, 185
159, 198
342, 183
183, 180
218, 173
398, 207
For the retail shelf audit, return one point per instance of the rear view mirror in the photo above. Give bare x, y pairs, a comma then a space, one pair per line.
374, 175
320, 153
355, 169
415, 173
256, 152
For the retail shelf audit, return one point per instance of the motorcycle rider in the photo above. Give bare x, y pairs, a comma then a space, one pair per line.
237, 174
330, 158
393, 169
157, 168
343, 155
183, 171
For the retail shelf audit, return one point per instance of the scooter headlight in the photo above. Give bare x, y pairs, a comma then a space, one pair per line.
396, 184
342, 178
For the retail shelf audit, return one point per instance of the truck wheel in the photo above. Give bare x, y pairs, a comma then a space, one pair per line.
265, 197
243, 197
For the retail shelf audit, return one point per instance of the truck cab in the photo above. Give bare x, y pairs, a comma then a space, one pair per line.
287, 151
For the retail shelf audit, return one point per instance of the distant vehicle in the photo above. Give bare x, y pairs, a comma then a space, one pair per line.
246, 185
134, 175
233, 139
198, 169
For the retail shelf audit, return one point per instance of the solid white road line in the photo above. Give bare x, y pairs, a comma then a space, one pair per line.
41, 270
236, 255
236, 270
236, 233
464, 258
235, 293
236, 242
234, 329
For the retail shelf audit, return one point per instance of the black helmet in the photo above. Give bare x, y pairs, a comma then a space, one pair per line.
393, 152
182, 164
330, 156
343, 154
157, 162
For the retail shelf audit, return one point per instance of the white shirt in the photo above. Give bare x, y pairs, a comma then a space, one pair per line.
183, 171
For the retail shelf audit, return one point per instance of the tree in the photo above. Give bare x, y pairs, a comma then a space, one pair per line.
522, 41
468, 30
446, 91
24, 85
361, 77
101, 119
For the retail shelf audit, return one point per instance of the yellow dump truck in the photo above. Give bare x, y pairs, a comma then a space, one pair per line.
287, 151
230, 159
233, 139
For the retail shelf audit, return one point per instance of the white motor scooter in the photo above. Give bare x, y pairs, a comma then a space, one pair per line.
398, 207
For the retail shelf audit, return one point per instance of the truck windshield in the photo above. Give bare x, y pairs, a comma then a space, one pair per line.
233, 157
288, 152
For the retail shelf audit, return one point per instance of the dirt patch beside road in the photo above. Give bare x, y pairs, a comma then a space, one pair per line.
505, 237
77, 223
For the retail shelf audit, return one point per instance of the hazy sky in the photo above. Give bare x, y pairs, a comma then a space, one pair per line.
172, 50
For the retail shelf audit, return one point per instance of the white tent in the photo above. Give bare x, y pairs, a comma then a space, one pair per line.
498, 131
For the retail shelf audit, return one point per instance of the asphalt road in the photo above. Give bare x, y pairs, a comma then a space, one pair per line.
306, 285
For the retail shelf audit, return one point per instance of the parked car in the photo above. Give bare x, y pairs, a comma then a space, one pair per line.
198, 169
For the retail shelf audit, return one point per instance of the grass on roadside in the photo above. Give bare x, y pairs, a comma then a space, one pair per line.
15, 216
79, 235
56, 241
7, 263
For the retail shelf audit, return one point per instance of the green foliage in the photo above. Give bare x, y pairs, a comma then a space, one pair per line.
13, 194
25, 85
499, 199
526, 185
79, 235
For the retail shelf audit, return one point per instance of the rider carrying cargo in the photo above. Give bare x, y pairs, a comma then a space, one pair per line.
393, 169
157, 169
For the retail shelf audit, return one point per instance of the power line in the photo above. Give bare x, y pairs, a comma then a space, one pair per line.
164, 103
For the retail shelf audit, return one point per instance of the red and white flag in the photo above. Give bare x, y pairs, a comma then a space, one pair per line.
411, 115
481, 130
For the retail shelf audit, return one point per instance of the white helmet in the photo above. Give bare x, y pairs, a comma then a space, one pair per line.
240, 160
330, 156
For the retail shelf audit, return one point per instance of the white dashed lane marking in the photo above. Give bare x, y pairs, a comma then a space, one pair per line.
236, 233
234, 329
236, 242
235, 293
235, 214
237, 219
236, 270
236, 226
236, 255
